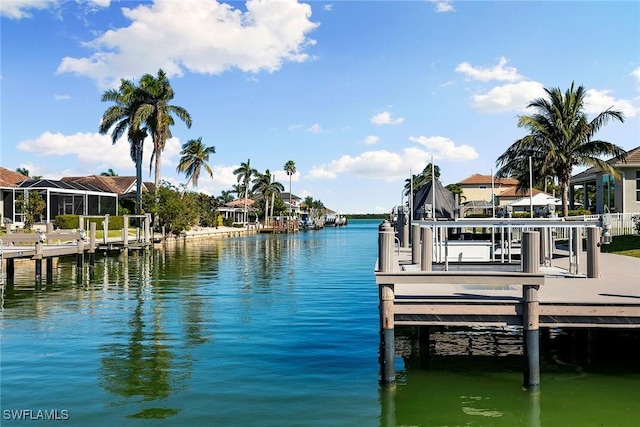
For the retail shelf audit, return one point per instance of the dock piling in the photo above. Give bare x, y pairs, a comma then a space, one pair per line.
531, 311
415, 244
593, 252
387, 333
426, 255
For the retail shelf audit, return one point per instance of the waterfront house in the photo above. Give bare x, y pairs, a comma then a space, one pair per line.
479, 187
622, 196
60, 197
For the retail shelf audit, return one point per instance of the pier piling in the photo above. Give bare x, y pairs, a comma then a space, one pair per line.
387, 333
531, 311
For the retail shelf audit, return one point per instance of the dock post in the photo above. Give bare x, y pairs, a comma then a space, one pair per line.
415, 244
80, 254
38, 259
531, 311
125, 231
92, 244
426, 256
386, 295
11, 270
49, 261
593, 252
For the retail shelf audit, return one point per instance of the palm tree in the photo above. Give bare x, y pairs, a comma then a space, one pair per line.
245, 173
122, 117
561, 137
290, 169
195, 155
157, 113
267, 186
23, 171
421, 179
109, 172
225, 197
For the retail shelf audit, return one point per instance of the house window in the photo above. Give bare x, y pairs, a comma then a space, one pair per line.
482, 187
637, 186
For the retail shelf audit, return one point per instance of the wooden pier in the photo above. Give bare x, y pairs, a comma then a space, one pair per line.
541, 284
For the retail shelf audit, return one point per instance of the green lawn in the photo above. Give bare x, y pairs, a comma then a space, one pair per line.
624, 245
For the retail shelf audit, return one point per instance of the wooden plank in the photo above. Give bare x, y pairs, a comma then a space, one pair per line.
590, 310
459, 309
459, 278
20, 238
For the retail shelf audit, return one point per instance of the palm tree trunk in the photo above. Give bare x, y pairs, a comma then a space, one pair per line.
290, 207
138, 177
184, 190
266, 209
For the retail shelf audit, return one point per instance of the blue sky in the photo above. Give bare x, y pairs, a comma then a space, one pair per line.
356, 93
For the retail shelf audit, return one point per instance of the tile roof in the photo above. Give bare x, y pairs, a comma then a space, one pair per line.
632, 159
511, 192
477, 179
9, 178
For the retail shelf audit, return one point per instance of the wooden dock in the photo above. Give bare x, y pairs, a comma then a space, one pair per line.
562, 289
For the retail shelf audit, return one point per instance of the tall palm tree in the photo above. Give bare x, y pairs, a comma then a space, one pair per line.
245, 173
267, 186
561, 137
157, 113
122, 118
290, 169
109, 172
195, 155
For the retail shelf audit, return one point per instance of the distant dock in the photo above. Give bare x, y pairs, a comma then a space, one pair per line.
528, 281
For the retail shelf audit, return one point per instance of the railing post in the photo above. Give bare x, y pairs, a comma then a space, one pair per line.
415, 244
386, 296
593, 252
426, 258
531, 311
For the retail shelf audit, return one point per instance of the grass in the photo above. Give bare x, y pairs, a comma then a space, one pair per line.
624, 245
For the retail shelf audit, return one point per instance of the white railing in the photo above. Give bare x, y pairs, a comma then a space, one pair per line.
621, 223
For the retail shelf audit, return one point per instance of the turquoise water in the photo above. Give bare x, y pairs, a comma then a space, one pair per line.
269, 330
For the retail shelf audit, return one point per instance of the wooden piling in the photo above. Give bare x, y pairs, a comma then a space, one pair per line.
426, 252
415, 244
386, 294
531, 311
92, 244
593, 252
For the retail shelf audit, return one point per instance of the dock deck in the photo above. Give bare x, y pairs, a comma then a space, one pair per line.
566, 300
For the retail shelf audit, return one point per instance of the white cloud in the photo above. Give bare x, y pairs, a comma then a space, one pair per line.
19, 9
497, 72
376, 165
443, 5
508, 97
384, 118
202, 36
61, 97
445, 149
636, 73
96, 152
315, 128
328, 7
596, 101
371, 139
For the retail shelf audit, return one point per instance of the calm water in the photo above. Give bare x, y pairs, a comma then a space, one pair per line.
272, 331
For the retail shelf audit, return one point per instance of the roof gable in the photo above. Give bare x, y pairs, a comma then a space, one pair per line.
9, 178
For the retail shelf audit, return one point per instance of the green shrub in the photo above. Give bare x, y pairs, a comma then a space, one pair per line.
579, 212
66, 222
228, 222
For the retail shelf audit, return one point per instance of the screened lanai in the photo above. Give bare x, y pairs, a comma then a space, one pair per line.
61, 198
